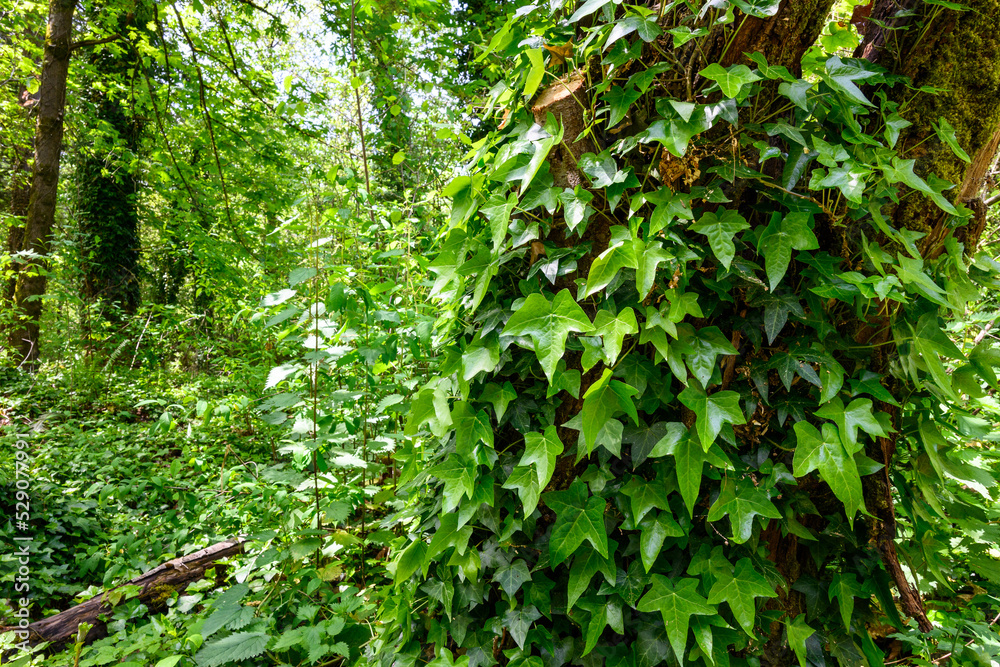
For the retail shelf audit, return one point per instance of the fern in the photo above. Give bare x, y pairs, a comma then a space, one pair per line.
241, 646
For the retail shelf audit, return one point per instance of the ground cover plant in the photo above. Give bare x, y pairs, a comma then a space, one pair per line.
524, 334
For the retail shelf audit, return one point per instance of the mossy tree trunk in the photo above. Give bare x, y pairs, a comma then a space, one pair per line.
31, 282
107, 185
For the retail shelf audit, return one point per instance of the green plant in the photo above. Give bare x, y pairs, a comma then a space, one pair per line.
699, 403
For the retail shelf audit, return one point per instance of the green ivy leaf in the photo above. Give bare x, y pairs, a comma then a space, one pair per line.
712, 411
646, 28
946, 133
497, 210
841, 76
459, 477
578, 518
759, 8
858, 414
845, 587
742, 502
645, 496
586, 563
689, 459
649, 258
779, 239
548, 325
677, 601
511, 577
541, 450
519, 621
619, 100
730, 79
525, 482
601, 401
499, 396
576, 206
739, 590
798, 633
826, 452
720, 232
535, 74
613, 329
654, 530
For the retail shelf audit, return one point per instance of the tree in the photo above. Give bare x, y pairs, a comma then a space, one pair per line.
107, 176
45, 175
698, 307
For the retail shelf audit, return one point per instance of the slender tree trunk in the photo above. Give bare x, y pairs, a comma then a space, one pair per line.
45, 175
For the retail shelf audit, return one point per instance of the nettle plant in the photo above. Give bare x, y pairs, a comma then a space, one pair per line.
687, 337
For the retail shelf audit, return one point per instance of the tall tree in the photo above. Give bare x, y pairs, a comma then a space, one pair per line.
107, 175
699, 306
45, 176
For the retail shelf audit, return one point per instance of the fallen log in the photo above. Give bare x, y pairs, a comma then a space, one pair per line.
155, 586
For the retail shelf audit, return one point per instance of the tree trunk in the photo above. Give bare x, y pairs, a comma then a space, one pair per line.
45, 176
155, 587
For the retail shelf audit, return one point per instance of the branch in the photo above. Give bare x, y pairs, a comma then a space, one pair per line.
94, 42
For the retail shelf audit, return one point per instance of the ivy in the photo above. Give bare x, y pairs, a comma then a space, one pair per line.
717, 360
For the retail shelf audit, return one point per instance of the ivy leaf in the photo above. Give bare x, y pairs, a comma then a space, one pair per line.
541, 449
739, 590
742, 502
649, 258
674, 133
946, 133
499, 396
576, 209
758, 8
845, 587
779, 239
548, 325
798, 633
601, 401
429, 407
619, 255
712, 411
586, 563
535, 74
602, 169
578, 518
702, 348
645, 496
519, 621
689, 459
619, 101
720, 233
677, 602
497, 210
586, 9
730, 79
826, 452
613, 329
459, 477
901, 171
858, 414
655, 529
841, 76
512, 576
525, 482
644, 27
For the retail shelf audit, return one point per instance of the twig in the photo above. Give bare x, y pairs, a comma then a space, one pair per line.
139, 342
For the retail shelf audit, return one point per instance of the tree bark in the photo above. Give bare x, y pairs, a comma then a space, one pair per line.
45, 176
156, 585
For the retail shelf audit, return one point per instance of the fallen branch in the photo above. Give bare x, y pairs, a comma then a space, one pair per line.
155, 585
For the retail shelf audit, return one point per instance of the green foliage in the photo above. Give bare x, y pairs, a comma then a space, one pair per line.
703, 382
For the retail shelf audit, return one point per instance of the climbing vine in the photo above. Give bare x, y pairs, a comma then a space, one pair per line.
698, 401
